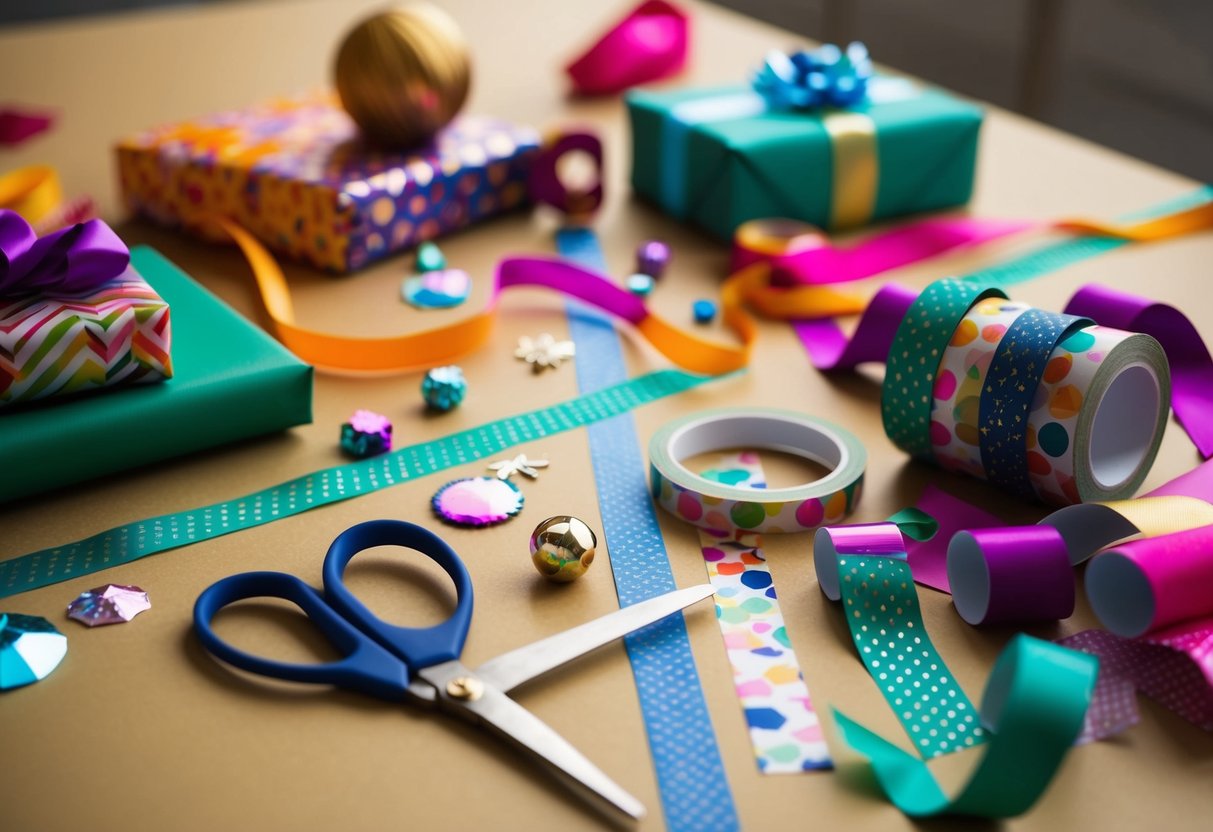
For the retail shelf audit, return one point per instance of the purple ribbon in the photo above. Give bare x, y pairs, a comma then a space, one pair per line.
75, 259
1191, 365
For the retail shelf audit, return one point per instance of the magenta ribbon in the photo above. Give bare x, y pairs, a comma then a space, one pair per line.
75, 259
573, 280
831, 350
1191, 364
902, 246
649, 43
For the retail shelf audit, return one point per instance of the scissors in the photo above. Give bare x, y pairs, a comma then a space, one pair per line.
421, 664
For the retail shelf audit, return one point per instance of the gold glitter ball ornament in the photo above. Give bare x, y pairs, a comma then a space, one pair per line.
403, 74
562, 548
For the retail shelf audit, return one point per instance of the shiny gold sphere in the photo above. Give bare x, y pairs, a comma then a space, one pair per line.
403, 74
562, 548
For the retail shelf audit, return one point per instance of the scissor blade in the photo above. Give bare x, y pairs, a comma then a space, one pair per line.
505, 717
511, 669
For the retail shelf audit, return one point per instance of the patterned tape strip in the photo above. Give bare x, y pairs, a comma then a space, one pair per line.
918, 346
690, 773
722, 507
785, 730
158, 534
865, 566
1011, 383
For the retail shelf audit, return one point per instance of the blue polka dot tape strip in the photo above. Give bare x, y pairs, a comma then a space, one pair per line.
695, 794
132, 541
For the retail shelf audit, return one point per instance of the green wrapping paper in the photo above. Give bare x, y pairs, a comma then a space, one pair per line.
717, 158
231, 381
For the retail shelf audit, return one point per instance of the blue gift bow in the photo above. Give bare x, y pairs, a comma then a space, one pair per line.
814, 78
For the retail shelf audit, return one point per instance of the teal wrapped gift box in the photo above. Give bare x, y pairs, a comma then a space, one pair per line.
719, 158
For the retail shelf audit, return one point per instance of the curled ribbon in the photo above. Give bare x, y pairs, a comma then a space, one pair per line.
75, 259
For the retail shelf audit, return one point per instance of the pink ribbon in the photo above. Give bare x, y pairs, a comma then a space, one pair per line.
649, 43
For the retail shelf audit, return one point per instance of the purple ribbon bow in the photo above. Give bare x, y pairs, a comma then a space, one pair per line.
72, 260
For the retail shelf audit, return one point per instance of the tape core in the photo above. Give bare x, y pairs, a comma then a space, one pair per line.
1118, 446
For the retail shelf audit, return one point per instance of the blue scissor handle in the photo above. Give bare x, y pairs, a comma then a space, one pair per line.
365, 667
418, 647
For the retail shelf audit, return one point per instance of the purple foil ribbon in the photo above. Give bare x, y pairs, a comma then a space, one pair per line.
1012, 575
75, 259
1191, 364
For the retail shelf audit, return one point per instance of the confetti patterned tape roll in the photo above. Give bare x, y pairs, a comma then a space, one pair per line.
1006, 399
722, 507
694, 792
132, 541
955, 441
918, 347
785, 731
865, 566
1098, 416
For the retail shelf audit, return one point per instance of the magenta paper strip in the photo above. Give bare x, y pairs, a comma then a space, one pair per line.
785, 730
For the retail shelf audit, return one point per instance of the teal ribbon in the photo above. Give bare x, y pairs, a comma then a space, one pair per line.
133, 541
1032, 710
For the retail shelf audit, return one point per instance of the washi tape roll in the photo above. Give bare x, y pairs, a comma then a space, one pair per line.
722, 507
1098, 416
956, 396
1149, 584
1011, 575
1011, 385
918, 347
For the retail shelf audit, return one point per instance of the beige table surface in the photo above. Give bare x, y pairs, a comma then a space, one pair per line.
140, 730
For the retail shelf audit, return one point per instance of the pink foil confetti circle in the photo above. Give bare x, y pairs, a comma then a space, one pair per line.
477, 501
109, 604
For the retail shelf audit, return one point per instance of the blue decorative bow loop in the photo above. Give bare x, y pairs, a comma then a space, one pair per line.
814, 78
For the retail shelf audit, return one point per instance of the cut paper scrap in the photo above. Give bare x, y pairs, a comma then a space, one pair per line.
19, 124
132, 541
1174, 667
865, 567
650, 42
785, 731
1032, 711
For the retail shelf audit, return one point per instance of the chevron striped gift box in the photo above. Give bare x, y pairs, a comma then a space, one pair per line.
117, 333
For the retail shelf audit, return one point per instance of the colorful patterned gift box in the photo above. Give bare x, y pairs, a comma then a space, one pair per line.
293, 172
721, 157
70, 342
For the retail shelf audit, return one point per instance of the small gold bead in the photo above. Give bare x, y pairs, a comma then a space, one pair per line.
562, 548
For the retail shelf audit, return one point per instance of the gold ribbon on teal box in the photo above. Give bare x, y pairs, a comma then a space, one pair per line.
719, 157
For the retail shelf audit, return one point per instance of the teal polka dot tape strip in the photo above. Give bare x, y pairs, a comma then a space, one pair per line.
918, 345
132, 541
865, 567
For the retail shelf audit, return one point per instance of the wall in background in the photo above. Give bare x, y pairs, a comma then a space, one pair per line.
1136, 75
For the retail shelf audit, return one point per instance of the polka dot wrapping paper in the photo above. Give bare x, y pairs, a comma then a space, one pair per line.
294, 173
